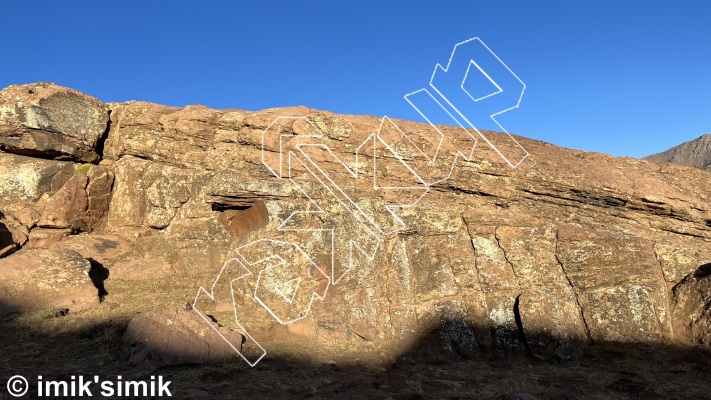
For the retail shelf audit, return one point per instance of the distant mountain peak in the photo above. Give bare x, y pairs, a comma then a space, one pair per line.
694, 153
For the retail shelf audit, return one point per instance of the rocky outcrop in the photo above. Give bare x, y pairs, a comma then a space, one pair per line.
568, 248
49, 121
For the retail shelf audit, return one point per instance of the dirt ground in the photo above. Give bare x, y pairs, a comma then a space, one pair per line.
58, 346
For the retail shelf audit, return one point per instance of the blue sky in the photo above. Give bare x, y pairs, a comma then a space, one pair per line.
619, 77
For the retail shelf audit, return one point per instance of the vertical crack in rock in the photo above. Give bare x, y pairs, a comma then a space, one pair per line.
102, 139
575, 291
471, 243
506, 257
667, 294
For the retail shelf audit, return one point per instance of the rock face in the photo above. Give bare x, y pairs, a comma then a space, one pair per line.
81, 203
25, 179
691, 303
268, 216
694, 153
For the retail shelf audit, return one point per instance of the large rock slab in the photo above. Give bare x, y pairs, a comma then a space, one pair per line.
82, 203
174, 337
49, 121
23, 180
569, 247
619, 306
47, 279
155, 194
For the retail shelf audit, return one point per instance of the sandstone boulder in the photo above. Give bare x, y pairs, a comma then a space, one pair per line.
28, 217
12, 238
82, 203
69, 204
175, 337
49, 121
23, 180
691, 307
49, 279
45, 238
566, 249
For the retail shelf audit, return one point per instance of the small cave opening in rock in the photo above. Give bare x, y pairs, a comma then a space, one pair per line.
243, 217
225, 207
703, 271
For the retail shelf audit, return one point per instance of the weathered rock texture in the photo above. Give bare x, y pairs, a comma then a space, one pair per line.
567, 248
58, 280
694, 153
49, 121
691, 301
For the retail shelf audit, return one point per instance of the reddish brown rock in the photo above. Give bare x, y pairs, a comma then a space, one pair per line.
569, 247
82, 203
23, 180
50, 279
243, 221
49, 121
13, 235
98, 190
29, 217
44, 238
691, 307
175, 337
69, 204
9, 240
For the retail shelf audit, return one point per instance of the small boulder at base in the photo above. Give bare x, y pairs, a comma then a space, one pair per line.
43, 278
691, 307
175, 337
